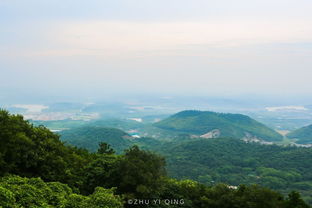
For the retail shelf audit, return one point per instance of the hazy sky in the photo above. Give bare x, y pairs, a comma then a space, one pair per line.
167, 46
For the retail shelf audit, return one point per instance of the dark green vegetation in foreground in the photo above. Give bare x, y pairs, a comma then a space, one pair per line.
303, 135
229, 125
16, 192
72, 177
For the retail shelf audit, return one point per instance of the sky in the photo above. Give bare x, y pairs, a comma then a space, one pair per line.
186, 47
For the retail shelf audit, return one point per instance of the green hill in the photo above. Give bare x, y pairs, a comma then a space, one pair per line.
89, 137
210, 124
303, 135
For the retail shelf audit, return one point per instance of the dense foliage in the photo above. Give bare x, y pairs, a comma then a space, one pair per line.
90, 136
16, 192
38, 170
235, 162
303, 135
224, 196
37, 152
229, 125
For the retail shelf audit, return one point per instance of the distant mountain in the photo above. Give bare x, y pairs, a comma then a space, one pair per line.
206, 124
89, 137
123, 124
304, 135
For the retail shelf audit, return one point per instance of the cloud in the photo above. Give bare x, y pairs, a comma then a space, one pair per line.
123, 38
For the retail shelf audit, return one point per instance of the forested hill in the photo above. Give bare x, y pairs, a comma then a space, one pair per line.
38, 170
212, 125
90, 136
235, 162
303, 135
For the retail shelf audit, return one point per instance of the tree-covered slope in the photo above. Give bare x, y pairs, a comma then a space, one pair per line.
225, 124
31, 151
235, 162
303, 135
89, 137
